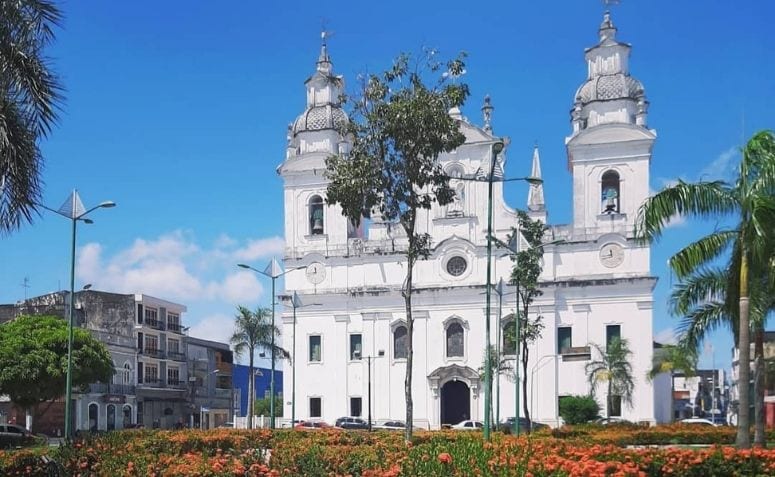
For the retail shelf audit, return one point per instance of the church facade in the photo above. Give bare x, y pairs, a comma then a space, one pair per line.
349, 337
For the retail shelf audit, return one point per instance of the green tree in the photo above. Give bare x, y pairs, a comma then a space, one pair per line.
525, 274
613, 368
672, 358
499, 365
708, 299
578, 409
262, 407
33, 359
750, 201
30, 95
400, 125
253, 330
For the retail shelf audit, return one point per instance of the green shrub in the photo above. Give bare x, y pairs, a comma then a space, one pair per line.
578, 409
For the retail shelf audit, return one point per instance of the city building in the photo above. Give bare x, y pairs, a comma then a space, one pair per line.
262, 386
210, 366
702, 395
350, 351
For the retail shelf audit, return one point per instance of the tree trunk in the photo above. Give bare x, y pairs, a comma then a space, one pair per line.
608, 400
759, 437
743, 440
672, 397
409, 347
525, 358
251, 391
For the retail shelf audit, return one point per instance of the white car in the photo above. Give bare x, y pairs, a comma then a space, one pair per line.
697, 421
391, 425
468, 425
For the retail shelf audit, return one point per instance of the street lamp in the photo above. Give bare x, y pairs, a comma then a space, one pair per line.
273, 271
74, 210
295, 303
380, 354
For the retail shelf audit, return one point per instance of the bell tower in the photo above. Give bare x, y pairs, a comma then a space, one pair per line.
609, 149
310, 224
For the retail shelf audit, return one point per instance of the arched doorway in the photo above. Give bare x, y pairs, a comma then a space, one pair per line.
111, 417
455, 402
94, 417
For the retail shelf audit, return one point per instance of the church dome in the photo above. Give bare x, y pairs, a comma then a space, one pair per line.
317, 118
607, 87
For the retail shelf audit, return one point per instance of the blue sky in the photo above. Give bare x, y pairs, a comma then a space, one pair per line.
178, 111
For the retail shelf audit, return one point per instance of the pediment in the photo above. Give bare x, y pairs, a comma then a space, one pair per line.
611, 133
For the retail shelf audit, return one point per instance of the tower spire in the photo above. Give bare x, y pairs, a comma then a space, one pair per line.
487, 113
324, 61
535, 196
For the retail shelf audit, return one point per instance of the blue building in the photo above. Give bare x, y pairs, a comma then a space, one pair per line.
262, 386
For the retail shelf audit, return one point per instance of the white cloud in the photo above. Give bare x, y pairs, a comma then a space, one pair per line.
260, 248
216, 327
666, 336
174, 267
722, 167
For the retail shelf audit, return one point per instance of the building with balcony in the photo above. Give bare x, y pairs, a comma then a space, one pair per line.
162, 365
769, 380
211, 383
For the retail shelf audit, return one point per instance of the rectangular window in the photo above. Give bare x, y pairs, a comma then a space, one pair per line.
173, 376
315, 348
612, 332
355, 406
173, 322
151, 343
151, 374
355, 347
315, 407
151, 315
173, 346
564, 338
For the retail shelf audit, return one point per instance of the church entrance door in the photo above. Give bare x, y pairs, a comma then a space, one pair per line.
455, 402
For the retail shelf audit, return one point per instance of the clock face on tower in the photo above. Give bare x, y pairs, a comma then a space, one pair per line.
611, 255
316, 273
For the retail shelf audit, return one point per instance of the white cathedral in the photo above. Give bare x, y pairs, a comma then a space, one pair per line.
351, 333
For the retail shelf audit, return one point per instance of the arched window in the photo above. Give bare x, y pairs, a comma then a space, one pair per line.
316, 215
127, 374
509, 337
111, 417
94, 417
400, 342
455, 336
610, 192
127, 415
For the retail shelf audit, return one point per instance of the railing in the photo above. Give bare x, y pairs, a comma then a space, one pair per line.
223, 393
102, 388
175, 355
155, 382
175, 327
176, 383
577, 353
153, 353
156, 324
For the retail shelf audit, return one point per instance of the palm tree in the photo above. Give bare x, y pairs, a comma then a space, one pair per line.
254, 330
708, 299
672, 358
751, 201
30, 95
613, 368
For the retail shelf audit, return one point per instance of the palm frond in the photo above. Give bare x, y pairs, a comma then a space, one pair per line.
699, 253
702, 199
705, 285
702, 320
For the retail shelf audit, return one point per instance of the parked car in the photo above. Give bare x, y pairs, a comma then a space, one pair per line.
351, 423
468, 425
311, 425
697, 421
12, 435
391, 426
525, 425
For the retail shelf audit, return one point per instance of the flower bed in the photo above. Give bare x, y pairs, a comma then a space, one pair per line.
629, 435
225, 452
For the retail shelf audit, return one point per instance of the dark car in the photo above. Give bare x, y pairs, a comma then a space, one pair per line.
613, 421
525, 425
12, 435
311, 425
351, 423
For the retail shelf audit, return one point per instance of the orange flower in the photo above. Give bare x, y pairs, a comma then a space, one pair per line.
445, 458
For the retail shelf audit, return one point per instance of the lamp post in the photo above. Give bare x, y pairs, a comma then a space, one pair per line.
74, 210
273, 271
368, 364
